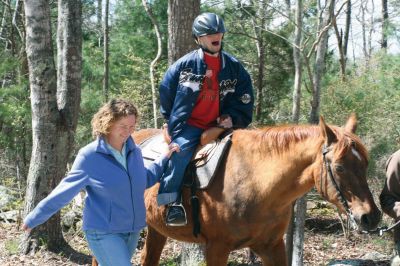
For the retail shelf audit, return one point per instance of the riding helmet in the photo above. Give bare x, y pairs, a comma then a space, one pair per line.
206, 24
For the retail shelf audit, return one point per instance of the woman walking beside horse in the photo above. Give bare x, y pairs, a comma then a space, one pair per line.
112, 172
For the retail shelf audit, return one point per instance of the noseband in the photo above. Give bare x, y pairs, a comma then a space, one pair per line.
343, 201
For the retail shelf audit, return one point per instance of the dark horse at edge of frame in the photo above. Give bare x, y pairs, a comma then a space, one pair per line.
266, 170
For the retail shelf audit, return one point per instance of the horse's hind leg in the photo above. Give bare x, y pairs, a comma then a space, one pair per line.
271, 256
153, 247
217, 254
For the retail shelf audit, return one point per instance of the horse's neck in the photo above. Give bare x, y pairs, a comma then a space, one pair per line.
287, 172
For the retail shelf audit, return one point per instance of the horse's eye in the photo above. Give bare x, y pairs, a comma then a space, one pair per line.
339, 168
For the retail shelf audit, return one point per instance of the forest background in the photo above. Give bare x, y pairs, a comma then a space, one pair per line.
262, 34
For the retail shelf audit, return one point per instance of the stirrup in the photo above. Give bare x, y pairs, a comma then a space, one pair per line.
181, 221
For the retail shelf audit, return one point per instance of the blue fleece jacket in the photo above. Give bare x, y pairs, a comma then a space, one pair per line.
114, 196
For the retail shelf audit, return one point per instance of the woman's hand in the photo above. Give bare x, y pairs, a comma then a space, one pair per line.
173, 147
26, 228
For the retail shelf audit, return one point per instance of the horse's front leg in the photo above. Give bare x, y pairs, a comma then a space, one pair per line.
217, 254
153, 247
271, 255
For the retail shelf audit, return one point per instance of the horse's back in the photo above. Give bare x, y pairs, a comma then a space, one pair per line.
143, 134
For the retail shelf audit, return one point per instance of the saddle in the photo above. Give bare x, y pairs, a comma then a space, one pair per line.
205, 161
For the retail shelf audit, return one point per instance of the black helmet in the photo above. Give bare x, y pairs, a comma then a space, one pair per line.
206, 24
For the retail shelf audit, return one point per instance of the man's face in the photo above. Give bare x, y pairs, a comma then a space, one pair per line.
211, 42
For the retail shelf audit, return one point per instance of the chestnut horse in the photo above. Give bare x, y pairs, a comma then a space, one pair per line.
266, 170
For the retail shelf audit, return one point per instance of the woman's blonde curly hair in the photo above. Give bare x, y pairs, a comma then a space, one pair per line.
109, 113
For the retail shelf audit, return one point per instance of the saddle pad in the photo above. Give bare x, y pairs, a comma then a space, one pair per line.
208, 160
152, 148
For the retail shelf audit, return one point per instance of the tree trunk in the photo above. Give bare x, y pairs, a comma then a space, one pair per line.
99, 21
43, 170
297, 62
99, 13
69, 56
385, 23
52, 122
298, 231
347, 29
106, 53
342, 59
295, 233
155, 60
319, 65
258, 28
180, 15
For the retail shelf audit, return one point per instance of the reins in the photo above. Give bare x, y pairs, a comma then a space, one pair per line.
382, 229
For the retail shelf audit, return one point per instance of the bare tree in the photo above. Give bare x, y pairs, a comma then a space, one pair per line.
155, 60
54, 112
106, 52
259, 24
347, 28
297, 61
319, 64
385, 23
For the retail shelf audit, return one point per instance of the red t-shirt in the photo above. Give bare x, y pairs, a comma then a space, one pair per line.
206, 109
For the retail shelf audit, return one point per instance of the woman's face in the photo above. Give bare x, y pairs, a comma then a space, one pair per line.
121, 129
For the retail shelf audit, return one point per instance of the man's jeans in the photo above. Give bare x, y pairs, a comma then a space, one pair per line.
112, 249
171, 182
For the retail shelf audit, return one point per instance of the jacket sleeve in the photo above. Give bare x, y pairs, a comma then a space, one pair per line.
240, 106
167, 90
65, 191
155, 170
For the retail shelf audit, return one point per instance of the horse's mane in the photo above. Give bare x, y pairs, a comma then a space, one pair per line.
277, 139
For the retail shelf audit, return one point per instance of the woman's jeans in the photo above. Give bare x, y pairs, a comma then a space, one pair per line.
112, 249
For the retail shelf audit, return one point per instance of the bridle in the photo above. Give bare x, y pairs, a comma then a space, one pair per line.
352, 222
343, 200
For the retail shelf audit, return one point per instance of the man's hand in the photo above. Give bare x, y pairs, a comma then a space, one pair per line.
224, 121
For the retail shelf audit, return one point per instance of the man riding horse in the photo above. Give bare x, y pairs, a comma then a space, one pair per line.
206, 87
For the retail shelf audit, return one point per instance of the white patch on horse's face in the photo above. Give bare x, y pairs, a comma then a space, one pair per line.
355, 152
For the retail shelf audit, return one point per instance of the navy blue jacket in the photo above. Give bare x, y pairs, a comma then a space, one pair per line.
182, 84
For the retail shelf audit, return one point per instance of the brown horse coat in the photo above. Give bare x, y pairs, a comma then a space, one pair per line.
266, 170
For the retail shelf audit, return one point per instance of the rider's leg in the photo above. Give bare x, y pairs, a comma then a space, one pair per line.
170, 184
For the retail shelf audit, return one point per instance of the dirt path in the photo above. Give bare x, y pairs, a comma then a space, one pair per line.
324, 242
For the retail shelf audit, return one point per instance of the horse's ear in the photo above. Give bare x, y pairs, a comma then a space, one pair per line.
351, 124
327, 132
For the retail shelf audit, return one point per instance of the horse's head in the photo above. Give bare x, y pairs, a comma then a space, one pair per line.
342, 178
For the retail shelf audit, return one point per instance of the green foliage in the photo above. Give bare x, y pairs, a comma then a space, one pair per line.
373, 93
278, 69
